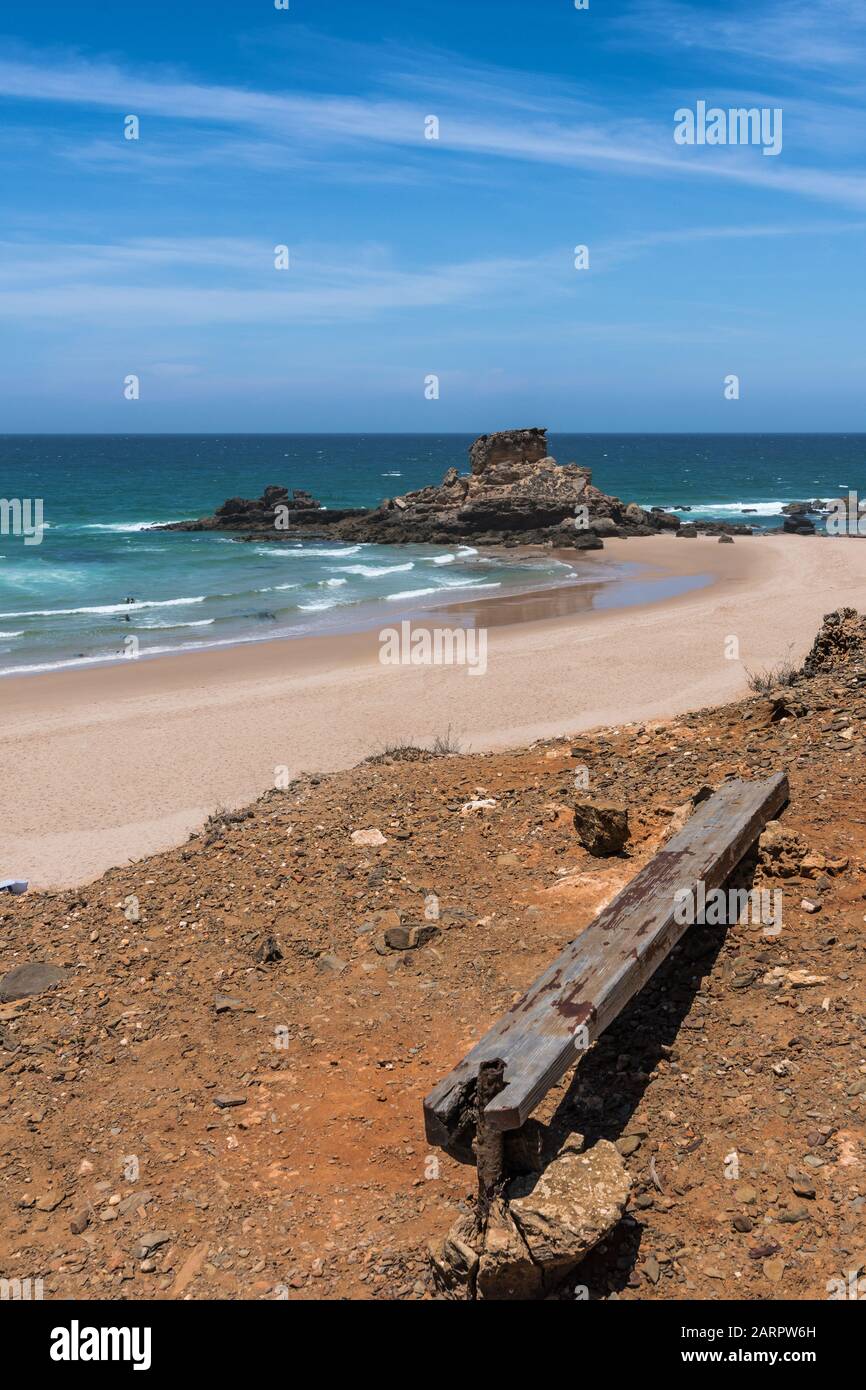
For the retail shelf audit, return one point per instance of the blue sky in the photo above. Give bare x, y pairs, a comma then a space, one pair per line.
412, 257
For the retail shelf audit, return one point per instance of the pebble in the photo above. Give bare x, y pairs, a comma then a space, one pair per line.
370, 838
628, 1144
150, 1242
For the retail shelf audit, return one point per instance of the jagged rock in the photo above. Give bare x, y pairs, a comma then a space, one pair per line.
601, 827
490, 450
514, 493
780, 851
259, 515
841, 639
798, 525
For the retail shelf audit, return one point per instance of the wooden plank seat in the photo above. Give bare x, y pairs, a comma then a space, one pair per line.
592, 980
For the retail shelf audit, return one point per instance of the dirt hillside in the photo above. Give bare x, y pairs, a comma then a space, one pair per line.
221, 1095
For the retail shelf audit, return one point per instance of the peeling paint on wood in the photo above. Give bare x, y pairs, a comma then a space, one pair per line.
591, 982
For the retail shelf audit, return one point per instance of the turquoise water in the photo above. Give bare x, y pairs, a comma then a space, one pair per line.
65, 600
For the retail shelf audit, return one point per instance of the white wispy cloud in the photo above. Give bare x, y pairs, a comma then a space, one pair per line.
807, 34
149, 282
551, 130
201, 281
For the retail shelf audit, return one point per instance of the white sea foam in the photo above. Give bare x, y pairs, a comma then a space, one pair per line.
332, 583
302, 552
471, 584
105, 608
4, 636
375, 571
125, 525
159, 627
754, 508
443, 559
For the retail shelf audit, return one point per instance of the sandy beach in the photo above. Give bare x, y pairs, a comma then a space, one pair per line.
106, 765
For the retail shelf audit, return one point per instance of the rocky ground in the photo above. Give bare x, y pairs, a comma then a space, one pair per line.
220, 1095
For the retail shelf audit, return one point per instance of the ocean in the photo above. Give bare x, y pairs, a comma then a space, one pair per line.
67, 600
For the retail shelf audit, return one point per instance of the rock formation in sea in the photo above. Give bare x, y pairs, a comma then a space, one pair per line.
514, 493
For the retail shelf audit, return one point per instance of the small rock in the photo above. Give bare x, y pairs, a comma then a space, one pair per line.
794, 1215
332, 963
407, 938
50, 1201
150, 1242
225, 1102
370, 838
802, 1187
628, 1144
225, 1004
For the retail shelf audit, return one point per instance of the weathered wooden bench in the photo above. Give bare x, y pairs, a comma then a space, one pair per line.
590, 983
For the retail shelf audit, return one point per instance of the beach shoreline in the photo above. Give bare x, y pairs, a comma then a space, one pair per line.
117, 762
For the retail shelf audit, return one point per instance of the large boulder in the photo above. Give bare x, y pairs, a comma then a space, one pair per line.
841, 639
563, 1213
539, 1233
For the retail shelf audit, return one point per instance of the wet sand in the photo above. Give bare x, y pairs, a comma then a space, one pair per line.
107, 764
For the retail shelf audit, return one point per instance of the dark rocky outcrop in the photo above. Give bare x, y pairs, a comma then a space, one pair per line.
514, 494
841, 640
277, 510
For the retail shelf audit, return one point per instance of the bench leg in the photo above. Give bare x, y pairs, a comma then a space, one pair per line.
489, 1142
